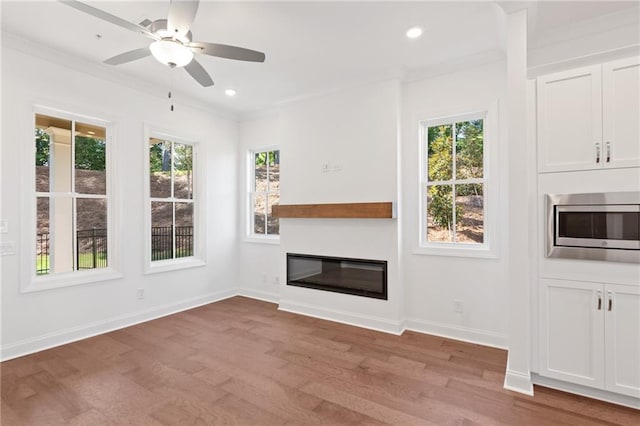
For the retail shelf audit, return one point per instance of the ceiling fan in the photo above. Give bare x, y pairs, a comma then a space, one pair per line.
173, 44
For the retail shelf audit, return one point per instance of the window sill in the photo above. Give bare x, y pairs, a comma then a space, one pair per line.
50, 282
160, 266
275, 240
456, 250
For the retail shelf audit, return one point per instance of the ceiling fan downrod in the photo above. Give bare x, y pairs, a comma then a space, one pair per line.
171, 82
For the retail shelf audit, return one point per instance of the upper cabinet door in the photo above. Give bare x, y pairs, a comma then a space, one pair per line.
570, 120
622, 339
621, 113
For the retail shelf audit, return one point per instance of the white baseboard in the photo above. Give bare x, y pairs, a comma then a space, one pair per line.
358, 320
614, 398
265, 296
50, 340
518, 382
469, 335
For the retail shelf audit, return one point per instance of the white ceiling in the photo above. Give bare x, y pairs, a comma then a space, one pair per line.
310, 47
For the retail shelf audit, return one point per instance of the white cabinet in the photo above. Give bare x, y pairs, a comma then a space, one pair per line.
590, 334
569, 119
622, 339
621, 113
589, 118
571, 331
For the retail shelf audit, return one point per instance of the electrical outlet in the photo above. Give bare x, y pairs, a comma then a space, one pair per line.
276, 280
4, 226
140, 293
457, 306
264, 278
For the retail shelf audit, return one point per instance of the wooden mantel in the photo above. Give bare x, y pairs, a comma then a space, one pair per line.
383, 210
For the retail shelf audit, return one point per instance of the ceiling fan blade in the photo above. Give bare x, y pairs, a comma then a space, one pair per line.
196, 71
181, 16
129, 56
229, 52
105, 16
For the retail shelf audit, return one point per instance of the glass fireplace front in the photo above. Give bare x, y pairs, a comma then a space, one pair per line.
359, 277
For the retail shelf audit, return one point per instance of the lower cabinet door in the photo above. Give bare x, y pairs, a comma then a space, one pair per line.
622, 339
572, 331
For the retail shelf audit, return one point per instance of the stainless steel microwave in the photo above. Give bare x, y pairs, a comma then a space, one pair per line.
597, 226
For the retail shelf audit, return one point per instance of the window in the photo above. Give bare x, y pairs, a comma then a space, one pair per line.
264, 192
172, 200
453, 182
71, 198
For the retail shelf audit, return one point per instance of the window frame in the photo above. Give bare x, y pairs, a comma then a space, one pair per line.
30, 281
250, 235
489, 247
199, 256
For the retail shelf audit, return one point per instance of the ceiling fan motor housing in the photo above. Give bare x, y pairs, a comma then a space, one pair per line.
159, 27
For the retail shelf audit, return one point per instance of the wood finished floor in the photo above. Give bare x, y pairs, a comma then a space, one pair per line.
241, 361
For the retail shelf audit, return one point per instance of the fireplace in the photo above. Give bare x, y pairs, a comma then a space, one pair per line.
360, 277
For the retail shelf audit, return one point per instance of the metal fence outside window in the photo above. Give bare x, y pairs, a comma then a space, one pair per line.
92, 247
91, 250
42, 254
162, 242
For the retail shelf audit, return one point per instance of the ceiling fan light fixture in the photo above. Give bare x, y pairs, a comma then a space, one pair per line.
171, 52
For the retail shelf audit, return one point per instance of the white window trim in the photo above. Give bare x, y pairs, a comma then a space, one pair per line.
30, 281
250, 237
489, 248
199, 255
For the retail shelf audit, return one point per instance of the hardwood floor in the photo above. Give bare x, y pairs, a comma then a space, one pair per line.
240, 361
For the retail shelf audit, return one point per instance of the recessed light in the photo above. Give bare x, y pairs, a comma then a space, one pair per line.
230, 92
414, 32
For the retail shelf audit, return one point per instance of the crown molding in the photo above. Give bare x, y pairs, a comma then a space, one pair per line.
76, 63
456, 65
259, 114
582, 29
328, 91
583, 60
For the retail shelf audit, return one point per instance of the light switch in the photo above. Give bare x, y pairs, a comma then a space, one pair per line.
7, 248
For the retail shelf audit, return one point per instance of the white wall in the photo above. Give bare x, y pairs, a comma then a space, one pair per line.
258, 261
433, 282
31, 321
357, 131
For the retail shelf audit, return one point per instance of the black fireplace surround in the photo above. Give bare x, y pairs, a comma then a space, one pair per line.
360, 277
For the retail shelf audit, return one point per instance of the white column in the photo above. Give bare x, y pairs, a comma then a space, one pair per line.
518, 374
60, 208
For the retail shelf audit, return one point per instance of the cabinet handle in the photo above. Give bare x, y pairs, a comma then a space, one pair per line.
610, 297
608, 146
597, 152
599, 300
